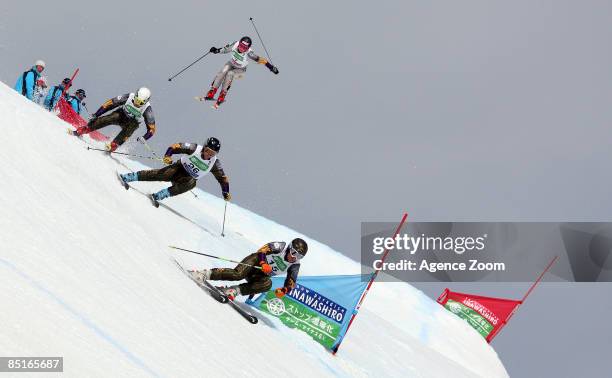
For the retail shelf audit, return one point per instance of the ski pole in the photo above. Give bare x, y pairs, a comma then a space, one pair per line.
214, 257
224, 212
123, 153
261, 40
185, 69
87, 110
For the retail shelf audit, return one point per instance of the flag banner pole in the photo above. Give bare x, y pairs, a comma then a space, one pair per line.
367, 289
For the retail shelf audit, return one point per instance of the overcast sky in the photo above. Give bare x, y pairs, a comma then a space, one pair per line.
450, 110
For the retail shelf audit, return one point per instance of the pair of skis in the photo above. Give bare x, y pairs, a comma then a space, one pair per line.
127, 186
219, 296
214, 106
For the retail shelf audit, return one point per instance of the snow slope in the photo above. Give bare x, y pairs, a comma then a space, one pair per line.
85, 274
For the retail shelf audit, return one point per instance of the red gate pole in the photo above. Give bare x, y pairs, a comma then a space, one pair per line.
532, 287
365, 292
64, 91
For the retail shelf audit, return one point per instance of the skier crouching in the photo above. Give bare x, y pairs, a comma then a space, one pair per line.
133, 109
273, 258
184, 173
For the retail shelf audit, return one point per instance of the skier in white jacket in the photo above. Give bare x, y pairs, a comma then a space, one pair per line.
240, 54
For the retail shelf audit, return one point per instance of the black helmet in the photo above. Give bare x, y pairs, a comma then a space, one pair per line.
213, 143
246, 40
80, 92
299, 245
66, 81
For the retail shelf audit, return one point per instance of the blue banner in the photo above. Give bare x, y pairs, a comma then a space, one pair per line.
320, 306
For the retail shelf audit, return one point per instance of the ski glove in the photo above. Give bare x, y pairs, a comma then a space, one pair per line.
272, 68
227, 196
265, 267
215, 50
167, 160
280, 292
147, 136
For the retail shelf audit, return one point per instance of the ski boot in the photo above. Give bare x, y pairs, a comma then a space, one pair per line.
156, 197
230, 292
210, 96
111, 147
200, 275
80, 131
220, 100
127, 177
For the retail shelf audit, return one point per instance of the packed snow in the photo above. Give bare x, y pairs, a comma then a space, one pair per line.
86, 274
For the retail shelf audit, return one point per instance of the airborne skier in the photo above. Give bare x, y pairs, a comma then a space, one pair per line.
273, 258
133, 109
184, 173
234, 68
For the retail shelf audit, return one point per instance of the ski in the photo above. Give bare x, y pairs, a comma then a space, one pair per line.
219, 296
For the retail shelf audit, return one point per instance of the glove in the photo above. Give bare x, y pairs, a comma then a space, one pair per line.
214, 50
265, 267
167, 160
147, 136
227, 196
280, 292
272, 68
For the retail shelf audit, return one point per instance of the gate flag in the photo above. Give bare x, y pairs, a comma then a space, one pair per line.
487, 315
320, 306
68, 114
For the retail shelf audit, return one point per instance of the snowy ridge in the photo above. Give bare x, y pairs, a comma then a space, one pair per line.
86, 274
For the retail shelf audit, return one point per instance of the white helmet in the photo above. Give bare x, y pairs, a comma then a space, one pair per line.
143, 95
40, 63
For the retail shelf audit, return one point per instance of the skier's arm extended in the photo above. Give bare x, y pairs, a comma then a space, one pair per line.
292, 275
111, 104
222, 179
261, 60
227, 48
150, 122
180, 148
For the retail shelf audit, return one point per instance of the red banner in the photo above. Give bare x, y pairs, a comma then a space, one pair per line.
487, 315
67, 113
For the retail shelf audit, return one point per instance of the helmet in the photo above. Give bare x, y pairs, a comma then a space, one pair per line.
142, 96
244, 44
298, 246
40, 63
213, 143
67, 82
80, 92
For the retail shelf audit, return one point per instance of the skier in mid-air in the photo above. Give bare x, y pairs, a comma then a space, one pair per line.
236, 67
198, 161
26, 83
273, 259
133, 109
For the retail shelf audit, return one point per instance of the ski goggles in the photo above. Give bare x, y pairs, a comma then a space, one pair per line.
294, 253
242, 47
139, 102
